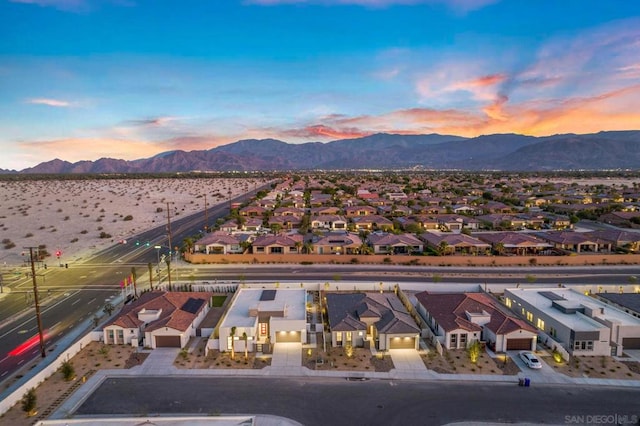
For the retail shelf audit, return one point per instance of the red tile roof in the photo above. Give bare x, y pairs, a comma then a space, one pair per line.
172, 314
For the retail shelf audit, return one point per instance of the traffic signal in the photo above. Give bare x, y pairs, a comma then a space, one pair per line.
58, 253
137, 243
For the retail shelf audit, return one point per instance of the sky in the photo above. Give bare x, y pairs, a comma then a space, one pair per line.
128, 79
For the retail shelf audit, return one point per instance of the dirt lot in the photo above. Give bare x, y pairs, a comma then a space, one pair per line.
53, 391
458, 362
597, 367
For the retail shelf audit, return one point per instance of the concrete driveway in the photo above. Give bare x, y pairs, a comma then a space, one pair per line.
546, 374
287, 355
407, 359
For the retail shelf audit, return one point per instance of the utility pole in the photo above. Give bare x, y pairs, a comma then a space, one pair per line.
150, 276
134, 277
35, 299
169, 272
206, 216
169, 228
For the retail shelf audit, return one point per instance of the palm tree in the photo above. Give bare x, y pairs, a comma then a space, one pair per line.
246, 345
499, 248
308, 247
232, 334
443, 247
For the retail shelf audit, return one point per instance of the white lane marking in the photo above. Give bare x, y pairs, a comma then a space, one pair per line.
89, 302
75, 302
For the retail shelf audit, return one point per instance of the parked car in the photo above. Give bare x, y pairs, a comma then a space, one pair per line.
530, 359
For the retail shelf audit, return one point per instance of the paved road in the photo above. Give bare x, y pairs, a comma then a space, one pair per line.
329, 401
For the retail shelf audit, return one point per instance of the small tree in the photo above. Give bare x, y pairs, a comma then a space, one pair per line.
232, 334
68, 372
108, 308
246, 345
29, 402
474, 352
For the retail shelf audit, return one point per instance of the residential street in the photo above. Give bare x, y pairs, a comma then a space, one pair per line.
334, 401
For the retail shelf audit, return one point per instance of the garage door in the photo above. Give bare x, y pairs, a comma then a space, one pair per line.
519, 344
402, 343
288, 336
167, 341
631, 343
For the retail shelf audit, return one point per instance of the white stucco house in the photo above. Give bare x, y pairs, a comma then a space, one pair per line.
159, 319
267, 316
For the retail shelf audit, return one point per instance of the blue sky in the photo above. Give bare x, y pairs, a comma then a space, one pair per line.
85, 79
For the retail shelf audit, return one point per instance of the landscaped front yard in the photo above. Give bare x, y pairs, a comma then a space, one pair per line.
458, 362
95, 356
598, 367
344, 359
196, 359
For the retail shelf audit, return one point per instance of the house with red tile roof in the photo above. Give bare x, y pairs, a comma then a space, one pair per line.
455, 243
337, 243
218, 242
385, 243
277, 244
576, 241
159, 318
459, 319
517, 243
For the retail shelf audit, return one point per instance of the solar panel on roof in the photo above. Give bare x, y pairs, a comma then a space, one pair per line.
192, 305
551, 295
268, 295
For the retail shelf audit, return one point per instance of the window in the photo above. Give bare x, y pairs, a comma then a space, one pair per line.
507, 302
349, 337
583, 345
529, 316
276, 250
338, 336
453, 341
540, 324
553, 332
463, 340
263, 328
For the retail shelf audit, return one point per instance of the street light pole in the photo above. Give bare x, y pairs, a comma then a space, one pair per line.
36, 301
169, 229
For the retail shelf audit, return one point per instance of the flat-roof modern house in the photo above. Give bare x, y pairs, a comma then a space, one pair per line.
459, 319
628, 302
579, 323
376, 318
163, 319
267, 316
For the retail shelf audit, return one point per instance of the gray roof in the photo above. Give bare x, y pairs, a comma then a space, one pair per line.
345, 311
626, 300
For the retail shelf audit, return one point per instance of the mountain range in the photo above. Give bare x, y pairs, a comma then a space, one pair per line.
509, 152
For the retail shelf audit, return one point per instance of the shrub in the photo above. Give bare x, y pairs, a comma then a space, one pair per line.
68, 372
128, 217
29, 402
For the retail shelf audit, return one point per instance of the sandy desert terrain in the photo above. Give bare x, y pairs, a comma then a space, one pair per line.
78, 217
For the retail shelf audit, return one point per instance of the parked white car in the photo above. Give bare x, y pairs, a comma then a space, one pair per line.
530, 359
